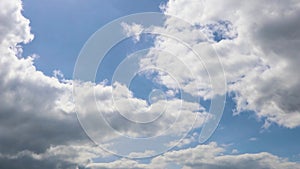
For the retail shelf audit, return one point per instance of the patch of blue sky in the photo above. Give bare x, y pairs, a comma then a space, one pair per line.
142, 86
220, 30
118, 53
62, 27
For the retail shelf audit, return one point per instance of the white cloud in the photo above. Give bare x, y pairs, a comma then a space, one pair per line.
38, 124
58, 74
175, 122
235, 151
133, 30
253, 139
260, 55
38, 110
123, 163
207, 157
14, 27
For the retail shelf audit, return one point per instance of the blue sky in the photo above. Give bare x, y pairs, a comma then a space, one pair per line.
260, 125
59, 44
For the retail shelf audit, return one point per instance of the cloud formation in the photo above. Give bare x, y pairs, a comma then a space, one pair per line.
39, 128
260, 55
206, 157
38, 116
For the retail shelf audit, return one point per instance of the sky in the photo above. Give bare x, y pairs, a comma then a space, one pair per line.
149, 84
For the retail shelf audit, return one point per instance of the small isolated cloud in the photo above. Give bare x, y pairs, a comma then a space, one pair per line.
253, 139
58, 74
134, 30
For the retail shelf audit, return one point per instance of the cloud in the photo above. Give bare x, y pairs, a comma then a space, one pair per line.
27, 95
120, 115
253, 139
133, 30
272, 89
14, 27
260, 55
39, 128
207, 157
62, 156
235, 151
37, 111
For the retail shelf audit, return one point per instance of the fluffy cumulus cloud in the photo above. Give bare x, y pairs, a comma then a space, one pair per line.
121, 109
261, 62
38, 122
260, 55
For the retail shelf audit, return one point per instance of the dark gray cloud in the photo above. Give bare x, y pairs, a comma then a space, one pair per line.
20, 131
28, 162
35, 114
